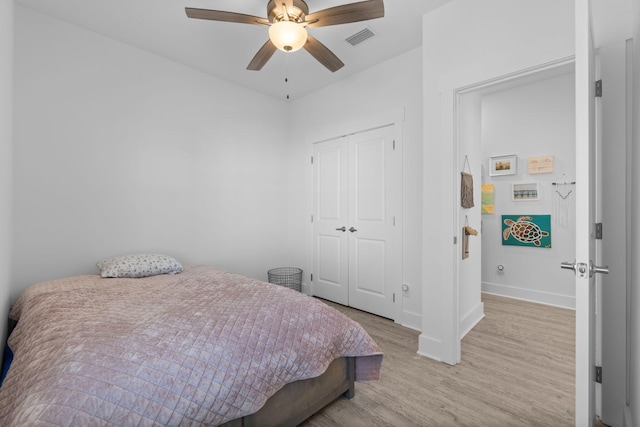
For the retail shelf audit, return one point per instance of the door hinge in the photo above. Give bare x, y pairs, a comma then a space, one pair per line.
394, 144
394, 297
311, 159
311, 218
599, 89
311, 276
598, 231
599, 374
394, 221
455, 240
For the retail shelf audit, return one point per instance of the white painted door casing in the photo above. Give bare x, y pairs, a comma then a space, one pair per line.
585, 216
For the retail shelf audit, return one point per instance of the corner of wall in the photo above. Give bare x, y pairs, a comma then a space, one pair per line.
6, 150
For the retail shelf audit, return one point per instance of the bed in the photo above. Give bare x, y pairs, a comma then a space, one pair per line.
202, 347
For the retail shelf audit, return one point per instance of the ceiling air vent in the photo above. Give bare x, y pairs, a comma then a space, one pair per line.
359, 37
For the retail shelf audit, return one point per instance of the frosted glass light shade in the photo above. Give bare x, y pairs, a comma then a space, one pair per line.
288, 36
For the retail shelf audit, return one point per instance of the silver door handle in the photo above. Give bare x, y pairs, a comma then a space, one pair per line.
343, 229
568, 265
581, 269
352, 229
597, 269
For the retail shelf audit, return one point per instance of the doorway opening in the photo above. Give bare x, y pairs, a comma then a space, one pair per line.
518, 136
520, 118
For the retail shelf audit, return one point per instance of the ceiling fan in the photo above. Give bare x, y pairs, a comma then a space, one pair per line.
288, 21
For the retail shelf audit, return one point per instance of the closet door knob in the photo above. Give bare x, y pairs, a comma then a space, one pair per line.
352, 229
343, 229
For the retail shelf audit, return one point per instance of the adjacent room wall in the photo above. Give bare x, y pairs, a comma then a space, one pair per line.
6, 169
349, 106
120, 151
531, 120
484, 39
470, 306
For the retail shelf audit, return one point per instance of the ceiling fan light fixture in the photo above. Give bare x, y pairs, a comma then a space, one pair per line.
288, 36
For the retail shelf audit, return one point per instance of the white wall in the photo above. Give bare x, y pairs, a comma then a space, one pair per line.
349, 106
120, 151
531, 120
480, 40
6, 143
632, 415
469, 157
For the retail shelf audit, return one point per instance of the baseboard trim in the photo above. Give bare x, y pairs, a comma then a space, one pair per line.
557, 300
471, 319
627, 419
411, 321
306, 289
429, 347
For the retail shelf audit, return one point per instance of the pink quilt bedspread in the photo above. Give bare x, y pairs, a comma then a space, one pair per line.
201, 347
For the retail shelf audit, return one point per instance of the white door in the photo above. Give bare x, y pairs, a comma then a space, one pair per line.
585, 218
372, 242
330, 219
357, 199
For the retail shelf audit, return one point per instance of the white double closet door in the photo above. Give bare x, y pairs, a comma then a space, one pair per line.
357, 206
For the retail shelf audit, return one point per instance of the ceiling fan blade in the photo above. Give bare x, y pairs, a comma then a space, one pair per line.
264, 54
353, 12
220, 15
323, 54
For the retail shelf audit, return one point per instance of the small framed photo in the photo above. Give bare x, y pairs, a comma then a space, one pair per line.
503, 165
525, 191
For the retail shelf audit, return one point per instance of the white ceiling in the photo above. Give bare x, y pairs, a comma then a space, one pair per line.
224, 49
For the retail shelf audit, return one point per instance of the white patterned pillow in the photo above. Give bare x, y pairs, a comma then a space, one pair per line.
139, 265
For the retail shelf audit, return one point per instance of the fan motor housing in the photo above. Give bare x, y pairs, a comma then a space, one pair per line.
297, 14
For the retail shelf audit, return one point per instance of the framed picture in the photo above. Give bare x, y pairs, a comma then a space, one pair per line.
503, 165
526, 230
524, 191
542, 164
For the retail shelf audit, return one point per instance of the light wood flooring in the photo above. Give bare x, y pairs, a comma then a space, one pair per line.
518, 367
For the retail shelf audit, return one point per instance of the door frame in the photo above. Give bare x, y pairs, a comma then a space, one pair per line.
586, 197
453, 87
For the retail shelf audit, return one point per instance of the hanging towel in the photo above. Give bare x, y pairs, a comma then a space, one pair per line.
466, 185
466, 190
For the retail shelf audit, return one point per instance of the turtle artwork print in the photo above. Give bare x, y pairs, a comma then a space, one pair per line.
526, 230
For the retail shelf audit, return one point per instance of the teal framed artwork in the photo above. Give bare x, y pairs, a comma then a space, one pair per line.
526, 230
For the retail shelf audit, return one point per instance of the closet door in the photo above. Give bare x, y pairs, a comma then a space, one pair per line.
373, 196
331, 209
357, 196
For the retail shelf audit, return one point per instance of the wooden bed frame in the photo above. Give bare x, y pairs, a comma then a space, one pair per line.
297, 401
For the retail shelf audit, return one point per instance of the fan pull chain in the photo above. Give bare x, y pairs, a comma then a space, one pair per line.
286, 74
